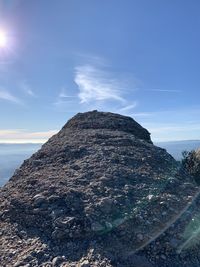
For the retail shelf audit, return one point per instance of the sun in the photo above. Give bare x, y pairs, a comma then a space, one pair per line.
3, 39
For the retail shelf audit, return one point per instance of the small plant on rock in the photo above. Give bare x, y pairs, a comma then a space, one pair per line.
191, 164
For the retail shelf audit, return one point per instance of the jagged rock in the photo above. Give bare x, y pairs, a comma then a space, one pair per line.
93, 186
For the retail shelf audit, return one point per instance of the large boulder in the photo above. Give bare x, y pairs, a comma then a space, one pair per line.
96, 192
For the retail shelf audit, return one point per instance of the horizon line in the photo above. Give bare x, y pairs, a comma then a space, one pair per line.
40, 142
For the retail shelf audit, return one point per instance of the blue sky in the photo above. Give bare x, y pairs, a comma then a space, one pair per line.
135, 57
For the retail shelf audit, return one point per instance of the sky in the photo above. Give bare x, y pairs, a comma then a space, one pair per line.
139, 58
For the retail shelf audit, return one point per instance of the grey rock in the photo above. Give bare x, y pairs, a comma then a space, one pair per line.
163, 257
140, 237
95, 191
85, 263
46, 264
58, 234
106, 205
174, 242
56, 262
97, 227
39, 199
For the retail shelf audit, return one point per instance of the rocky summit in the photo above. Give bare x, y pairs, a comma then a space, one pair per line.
98, 193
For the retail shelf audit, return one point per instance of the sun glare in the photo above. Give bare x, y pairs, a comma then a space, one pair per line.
3, 39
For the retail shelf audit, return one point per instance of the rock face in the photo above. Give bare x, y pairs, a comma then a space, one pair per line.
94, 195
108, 121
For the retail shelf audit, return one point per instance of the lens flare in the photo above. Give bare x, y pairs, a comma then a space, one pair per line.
3, 39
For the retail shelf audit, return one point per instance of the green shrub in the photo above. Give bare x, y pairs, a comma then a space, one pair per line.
191, 164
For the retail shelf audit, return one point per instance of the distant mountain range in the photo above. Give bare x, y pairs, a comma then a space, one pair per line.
12, 155
175, 148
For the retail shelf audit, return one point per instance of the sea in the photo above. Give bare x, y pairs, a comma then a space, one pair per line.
12, 156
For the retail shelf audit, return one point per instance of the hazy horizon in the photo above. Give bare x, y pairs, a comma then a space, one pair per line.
41, 143
17, 142
12, 156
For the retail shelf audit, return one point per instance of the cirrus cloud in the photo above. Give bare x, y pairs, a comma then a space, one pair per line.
8, 96
96, 85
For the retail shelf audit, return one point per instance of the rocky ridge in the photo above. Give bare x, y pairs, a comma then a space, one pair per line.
98, 193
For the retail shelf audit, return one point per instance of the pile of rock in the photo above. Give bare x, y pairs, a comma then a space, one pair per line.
95, 194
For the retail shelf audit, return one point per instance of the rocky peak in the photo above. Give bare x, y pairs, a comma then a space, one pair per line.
93, 195
109, 121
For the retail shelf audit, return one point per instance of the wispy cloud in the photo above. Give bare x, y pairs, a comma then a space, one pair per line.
24, 136
97, 85
91, 59
25, 86
170, 127
164, 90
172, 124
66, 102
8, 96
129, 107
63, 94
142, 114
173, 132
